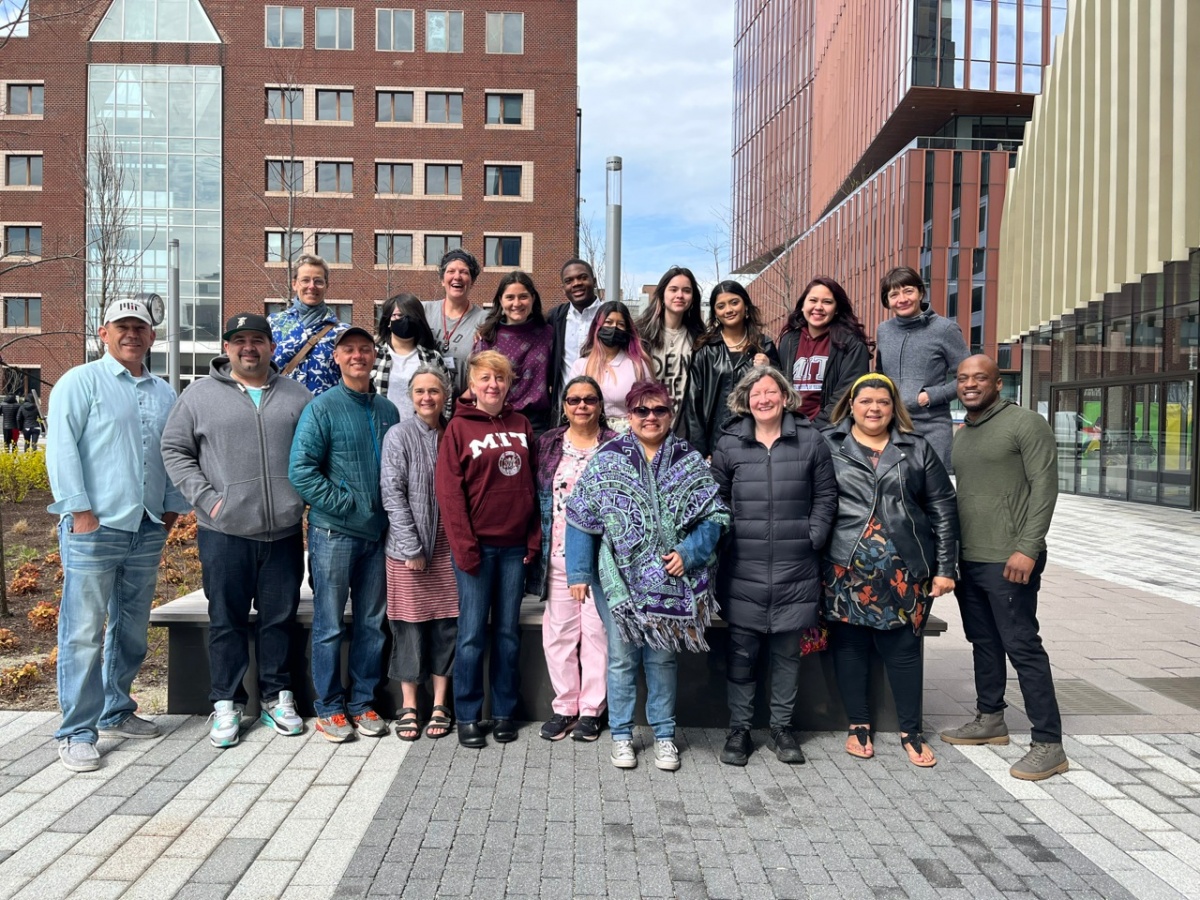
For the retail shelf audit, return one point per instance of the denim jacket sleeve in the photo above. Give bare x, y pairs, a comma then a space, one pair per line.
580, 553
699, 544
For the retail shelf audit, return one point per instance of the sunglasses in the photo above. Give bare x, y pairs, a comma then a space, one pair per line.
645, 412
591, 400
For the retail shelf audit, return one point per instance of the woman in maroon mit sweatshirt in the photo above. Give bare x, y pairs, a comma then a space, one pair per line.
487, 491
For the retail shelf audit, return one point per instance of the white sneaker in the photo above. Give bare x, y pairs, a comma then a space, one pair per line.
623, 756
226, 720
282, 716
666, 755
78, 756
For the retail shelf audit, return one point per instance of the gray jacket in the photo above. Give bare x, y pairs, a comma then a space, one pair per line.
922, 353
217, 446
410, 452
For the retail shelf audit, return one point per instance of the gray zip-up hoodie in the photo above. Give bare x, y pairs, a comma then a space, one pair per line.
219, 447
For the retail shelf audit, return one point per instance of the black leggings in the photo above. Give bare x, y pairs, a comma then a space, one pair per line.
901, 652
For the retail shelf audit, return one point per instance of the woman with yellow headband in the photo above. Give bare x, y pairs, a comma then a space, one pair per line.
893, 549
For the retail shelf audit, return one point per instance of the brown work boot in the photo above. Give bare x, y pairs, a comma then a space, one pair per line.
1042, 761
987, 728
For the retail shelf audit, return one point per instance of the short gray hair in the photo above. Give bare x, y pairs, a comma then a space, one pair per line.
430, 369
311, 259
739, 397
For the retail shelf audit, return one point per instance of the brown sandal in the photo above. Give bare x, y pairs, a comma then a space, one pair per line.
864, 749
915, 743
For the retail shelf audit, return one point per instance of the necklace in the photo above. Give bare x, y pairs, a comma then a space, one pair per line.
740, 345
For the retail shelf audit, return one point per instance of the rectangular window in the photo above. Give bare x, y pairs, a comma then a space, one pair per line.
504, 109
278, 244
501, 251
394, 30
25, 99
285, 175
335, 247
393, 249
335, 106
23, 240
443, 31
23, 171
393, 178
502, 181
505, 32
438, 245
443, 109
335, 28
335, 178
285, 103
441, 179
285, 26
393, 106
22, 312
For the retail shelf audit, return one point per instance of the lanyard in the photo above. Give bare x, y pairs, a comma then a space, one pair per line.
447, 335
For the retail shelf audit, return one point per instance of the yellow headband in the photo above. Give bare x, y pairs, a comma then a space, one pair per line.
870, 376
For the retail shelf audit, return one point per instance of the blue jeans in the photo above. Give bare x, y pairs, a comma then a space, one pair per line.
346, 567
236, 572
106, 573
498, 589
662, 679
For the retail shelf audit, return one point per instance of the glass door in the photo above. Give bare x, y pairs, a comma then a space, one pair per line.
1144, 442
1091, 413
1177, 446
1069, 437
1115, 441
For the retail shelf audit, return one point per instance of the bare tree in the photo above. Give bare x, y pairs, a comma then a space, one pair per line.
715, 244
592, 247
16, 16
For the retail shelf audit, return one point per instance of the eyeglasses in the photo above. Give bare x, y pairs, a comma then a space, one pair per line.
591, 400
645, 412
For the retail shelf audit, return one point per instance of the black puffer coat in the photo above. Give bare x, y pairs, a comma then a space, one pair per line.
910, 493
782, 501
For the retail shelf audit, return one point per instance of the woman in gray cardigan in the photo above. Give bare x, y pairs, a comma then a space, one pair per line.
920, 351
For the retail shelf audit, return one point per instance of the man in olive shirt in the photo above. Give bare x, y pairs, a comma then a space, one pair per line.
1006, 464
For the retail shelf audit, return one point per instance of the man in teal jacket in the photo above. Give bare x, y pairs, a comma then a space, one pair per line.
334, 467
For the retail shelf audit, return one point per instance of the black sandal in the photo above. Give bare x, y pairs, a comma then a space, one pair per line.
442, 718
917, 742
864, 733
408, 727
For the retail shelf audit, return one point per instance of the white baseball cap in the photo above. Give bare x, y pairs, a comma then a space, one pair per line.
128, 309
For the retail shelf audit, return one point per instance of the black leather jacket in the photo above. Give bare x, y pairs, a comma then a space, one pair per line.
711, 379
910, 493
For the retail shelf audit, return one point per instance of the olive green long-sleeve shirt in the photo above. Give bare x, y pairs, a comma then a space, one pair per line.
1006, 467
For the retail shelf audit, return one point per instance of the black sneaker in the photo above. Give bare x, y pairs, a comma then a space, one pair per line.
558, 726
738, 748
787, 748
587, 729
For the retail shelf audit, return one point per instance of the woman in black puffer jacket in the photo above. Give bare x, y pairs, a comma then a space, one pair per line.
775, 473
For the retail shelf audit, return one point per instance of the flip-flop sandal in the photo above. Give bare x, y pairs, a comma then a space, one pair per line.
864, 734
442, 718
408, 727
917, 742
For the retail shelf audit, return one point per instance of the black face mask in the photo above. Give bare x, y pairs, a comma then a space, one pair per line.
611, 336
404, 328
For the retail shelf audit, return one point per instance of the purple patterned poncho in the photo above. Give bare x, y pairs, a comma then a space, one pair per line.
642, 510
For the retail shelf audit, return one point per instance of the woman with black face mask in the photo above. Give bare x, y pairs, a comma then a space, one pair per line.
613, 356
405, 344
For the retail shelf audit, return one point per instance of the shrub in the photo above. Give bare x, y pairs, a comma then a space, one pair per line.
15, 679
9, 640
44, 617
21, 473
25, 581
51, 661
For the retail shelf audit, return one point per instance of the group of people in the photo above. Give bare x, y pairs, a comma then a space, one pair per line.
21, 418
641, 475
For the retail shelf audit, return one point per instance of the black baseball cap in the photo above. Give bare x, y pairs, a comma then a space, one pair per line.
246, 322
353, 329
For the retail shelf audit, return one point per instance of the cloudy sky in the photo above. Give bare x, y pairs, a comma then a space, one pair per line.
656, 88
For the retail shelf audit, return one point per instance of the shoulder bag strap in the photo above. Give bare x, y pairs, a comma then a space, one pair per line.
305, 350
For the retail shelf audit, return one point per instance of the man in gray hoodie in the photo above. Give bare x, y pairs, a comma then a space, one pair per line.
226, 447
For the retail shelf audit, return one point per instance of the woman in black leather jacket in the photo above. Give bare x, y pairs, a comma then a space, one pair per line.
893, 549
731, 345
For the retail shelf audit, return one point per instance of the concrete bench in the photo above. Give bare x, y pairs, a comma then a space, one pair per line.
701, 694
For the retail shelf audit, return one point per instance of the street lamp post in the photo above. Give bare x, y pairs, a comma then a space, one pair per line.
612, 255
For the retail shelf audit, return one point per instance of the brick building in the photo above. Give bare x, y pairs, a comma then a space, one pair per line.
376, 137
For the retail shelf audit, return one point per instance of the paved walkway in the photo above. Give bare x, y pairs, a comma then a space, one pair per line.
298, 817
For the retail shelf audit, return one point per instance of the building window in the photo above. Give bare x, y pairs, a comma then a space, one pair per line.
394, 30
505, 32
285, 26
25, 100
277, 241
501, 251
393, 178
394, 106
393, 249
443, 179
335, 247
443, 109
504, 109
335, 28
285, 103
22, 312
23, 171
23, 240
285, 175
443, 31
335, 178
502, 181
335, 106
438, 245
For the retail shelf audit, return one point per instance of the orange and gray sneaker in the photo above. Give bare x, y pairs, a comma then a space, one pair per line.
336, 728
368, 724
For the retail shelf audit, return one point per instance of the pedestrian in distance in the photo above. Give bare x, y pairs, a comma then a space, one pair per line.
9, 410
305, 332
613, 357
30, 421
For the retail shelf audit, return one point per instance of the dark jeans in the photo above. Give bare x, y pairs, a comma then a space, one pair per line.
742, 667
497, 589
1000, 618
237, 571
900, 649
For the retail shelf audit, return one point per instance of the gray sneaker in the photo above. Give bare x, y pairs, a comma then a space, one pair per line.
281, 715
134, 727
987, 728
1042, 761
78, 756
368, 724
666, 755
336, 728
226, 722
623, 756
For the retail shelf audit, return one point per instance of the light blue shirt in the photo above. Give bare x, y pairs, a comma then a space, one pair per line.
104, 448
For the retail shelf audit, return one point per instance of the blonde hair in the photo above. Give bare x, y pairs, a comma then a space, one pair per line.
739, 397
493, 361
900, 417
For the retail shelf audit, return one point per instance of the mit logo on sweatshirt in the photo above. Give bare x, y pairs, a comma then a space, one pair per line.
495, 441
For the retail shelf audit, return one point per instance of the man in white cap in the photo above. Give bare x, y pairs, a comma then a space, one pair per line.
116, 506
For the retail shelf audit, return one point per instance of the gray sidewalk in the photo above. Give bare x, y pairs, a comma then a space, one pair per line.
280, 817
